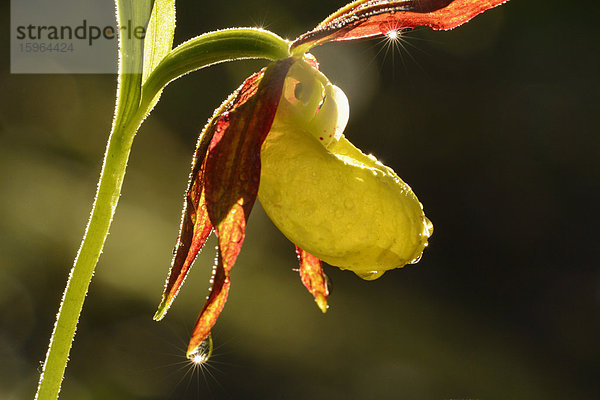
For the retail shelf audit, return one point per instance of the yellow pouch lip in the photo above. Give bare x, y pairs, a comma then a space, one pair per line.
330, 199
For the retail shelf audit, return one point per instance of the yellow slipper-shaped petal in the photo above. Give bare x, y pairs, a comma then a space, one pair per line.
325, 195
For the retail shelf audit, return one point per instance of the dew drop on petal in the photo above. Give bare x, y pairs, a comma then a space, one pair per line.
328, 283
370, 275
202, 353
428, 227
417, 259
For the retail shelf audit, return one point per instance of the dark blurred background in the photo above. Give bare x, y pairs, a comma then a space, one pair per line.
495, 127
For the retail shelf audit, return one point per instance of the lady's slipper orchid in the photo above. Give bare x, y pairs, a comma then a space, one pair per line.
280, 137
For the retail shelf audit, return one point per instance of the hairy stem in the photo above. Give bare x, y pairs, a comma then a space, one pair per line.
109, 189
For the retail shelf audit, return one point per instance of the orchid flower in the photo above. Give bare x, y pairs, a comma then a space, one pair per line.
279, 137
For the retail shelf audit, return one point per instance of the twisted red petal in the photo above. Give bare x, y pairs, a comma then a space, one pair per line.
313, 277
195, 225
194, 231
366, 18
232, 174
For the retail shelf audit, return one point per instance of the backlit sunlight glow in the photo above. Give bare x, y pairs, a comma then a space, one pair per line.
199, 358
392, 35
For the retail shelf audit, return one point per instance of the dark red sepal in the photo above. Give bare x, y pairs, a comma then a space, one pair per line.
313, 277
367, 18
231, 178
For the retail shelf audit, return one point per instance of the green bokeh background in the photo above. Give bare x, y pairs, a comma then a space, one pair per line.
495, 127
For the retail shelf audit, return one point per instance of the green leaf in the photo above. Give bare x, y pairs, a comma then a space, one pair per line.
130, 13
159, 35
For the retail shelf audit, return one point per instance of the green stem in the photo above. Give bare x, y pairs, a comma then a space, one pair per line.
212, 48
197, 53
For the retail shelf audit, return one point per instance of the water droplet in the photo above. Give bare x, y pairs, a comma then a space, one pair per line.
349, 204
307, 208
417, 259
428, 229
328, 283
202, 353
370, 275
244, 176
